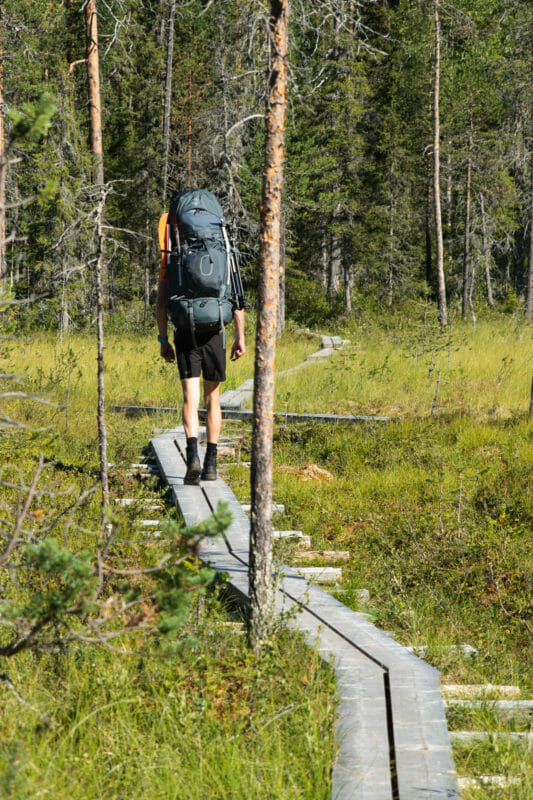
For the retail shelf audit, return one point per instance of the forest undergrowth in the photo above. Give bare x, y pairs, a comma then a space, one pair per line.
435, 507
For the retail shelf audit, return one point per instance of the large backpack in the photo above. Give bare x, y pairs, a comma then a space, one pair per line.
200, 287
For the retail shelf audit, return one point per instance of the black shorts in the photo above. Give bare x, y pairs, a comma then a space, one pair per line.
208, 358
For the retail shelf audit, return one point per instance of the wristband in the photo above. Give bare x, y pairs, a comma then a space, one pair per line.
162, 339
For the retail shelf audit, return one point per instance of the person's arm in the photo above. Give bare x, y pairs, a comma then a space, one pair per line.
238, 348
166, 349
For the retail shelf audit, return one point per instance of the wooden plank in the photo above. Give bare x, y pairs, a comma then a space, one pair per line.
518, 710
247, 414
391, 731
322, 555
320, 574
480, 691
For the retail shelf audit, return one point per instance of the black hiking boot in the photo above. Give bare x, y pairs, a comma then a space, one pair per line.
194, 468
209, 472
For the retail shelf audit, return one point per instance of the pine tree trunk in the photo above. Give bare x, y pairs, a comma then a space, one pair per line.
324, 260
428, 215
3, 165
348, 283
486, 254
281, 298
390, 278
168, 96
529, 281
441, 283
93, 79
334, 273
260, 575
99, 278
466, 243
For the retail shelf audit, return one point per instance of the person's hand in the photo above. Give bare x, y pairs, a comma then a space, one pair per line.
167, 352
238, 349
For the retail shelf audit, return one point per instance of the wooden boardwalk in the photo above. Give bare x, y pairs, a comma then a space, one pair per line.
391, 732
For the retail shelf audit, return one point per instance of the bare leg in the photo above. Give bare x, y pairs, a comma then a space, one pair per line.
214, 414
191, 403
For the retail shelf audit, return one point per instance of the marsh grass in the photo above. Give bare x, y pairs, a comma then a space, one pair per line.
485, 371
213, 723
436, 508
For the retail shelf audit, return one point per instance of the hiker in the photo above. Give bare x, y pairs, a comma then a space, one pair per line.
188, 243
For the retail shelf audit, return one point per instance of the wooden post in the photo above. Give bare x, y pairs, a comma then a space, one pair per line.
93, 79
260, 576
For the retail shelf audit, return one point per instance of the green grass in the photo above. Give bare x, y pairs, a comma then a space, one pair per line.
435, 507
212, 723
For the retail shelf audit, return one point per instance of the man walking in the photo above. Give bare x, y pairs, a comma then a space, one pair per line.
198, 354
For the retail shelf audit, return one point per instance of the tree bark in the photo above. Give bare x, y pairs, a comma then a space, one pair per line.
466, 243
429, 247
529, 282
281, 298
441, 283
334, 273
260, 575
3, 164
99, 278
390, 277
168, 96
93, 79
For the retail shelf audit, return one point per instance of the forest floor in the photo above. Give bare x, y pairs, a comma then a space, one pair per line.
435, 507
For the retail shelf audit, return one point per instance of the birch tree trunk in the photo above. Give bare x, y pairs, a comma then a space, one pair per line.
466, 243
260, 575
441, 284
93, 81
168, 95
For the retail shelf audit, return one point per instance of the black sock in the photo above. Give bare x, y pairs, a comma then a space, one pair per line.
192, 446
211, 452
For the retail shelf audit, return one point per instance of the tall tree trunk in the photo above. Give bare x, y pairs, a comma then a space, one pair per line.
3, 164
441, 283
390, 278
93, 79
466, 243
529, 282
486, 254
281, 298
99, 279
168, 96
428, 215
449, 201
335, 257
324, 260
348, 282
260, 576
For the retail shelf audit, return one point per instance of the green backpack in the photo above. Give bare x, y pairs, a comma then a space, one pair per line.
201, 285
